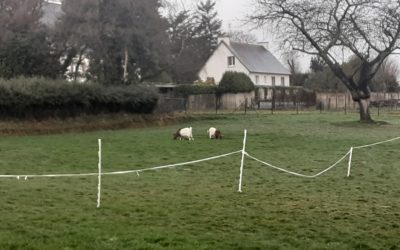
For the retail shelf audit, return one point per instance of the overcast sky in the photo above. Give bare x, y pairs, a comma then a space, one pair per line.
233, 13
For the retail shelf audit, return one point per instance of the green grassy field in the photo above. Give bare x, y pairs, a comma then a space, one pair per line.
198, 206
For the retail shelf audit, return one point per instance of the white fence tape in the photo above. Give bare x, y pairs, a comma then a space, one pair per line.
120, 172
349, 153
295, 173
171, 165
366, 146
376, 143
47, 175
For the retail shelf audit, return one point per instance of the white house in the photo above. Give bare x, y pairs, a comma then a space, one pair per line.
255, 60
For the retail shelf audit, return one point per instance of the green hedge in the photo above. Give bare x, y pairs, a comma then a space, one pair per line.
231, 82
235, 82
42, 98
190, 89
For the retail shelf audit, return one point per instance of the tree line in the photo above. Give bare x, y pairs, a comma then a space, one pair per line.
319, 77
124, 41
128, 41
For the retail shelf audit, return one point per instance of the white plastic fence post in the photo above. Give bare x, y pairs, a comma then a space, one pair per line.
242, 162
99, 177
350, 156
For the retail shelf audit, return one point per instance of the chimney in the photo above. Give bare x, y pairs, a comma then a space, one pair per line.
264, 44
225, 39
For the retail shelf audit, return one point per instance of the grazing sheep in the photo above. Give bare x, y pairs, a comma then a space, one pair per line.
184, 133
211, 132
214, 133
218, 134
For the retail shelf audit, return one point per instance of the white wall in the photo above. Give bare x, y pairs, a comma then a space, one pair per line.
217, 65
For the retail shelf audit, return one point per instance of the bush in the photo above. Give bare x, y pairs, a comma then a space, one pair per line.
190, 89
42, 98
235, 82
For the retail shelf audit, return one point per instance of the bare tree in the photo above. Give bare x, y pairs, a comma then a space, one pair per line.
292, 60
241, 36
386, 77
367, 29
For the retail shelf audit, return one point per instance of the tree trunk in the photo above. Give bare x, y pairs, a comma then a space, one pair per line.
78, 64
125, 76
364, 110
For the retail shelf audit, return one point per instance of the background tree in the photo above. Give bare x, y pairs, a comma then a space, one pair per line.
241, 36
193, 35
297, 78
317, 64
76, 33
385, 79
208, 26
369, 30
25, 43
125, 40
181, 32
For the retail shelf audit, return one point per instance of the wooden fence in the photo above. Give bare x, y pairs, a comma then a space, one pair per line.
273, 98
344, 101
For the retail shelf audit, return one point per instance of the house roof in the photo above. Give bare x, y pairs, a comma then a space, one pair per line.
257, 59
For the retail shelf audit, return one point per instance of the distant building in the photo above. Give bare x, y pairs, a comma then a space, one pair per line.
255, 60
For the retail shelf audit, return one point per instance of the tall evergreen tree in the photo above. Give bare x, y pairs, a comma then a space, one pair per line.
193, 36
208, 27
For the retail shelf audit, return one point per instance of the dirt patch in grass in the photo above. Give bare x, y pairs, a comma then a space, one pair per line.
87, 123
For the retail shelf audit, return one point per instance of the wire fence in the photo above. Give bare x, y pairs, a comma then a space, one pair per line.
243, 152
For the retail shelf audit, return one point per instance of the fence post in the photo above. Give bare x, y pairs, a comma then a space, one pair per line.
349, 167
320, 107
379, 107
345, 104
273, 101
216, 104
99, 176
242, 162
329, 104
336, 101
186, 101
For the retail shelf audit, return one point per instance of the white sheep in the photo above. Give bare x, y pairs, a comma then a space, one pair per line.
214, 133
211, 132
184, 133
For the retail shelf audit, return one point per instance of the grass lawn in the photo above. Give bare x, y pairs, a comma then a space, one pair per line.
198, 206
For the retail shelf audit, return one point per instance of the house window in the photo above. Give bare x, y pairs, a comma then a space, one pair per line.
265, 79
257, 79
231, 61
273, 81
283, 81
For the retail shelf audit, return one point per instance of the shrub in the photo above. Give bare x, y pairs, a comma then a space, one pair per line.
235, 82
190, 89
42, 98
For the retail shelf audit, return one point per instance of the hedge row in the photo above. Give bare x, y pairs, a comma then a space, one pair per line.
41, 98
231, 82
190, 89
